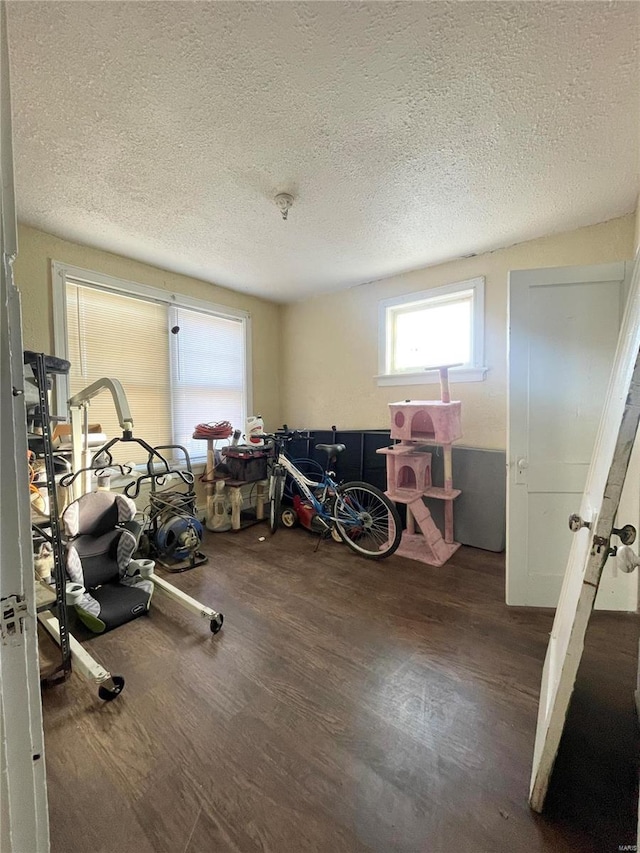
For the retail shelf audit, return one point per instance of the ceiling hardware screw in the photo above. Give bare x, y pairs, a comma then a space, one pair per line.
284, 201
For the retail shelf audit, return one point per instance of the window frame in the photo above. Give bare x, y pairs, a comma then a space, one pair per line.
475, 371
60, 272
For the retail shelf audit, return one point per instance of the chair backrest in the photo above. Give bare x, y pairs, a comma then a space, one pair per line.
97, 513
98, 551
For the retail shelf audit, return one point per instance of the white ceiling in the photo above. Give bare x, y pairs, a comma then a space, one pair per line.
409, 133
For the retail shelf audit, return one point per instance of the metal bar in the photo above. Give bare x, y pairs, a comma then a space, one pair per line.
83, 663
117, 392
183, 599
59, 572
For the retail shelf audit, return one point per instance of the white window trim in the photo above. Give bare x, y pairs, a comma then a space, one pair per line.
475, 372
61, 271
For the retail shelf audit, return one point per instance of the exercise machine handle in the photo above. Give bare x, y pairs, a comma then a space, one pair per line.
67, 479
132, 490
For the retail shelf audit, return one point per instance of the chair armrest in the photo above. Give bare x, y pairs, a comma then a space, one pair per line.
134, 527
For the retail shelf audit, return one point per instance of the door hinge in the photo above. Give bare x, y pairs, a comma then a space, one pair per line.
13, 611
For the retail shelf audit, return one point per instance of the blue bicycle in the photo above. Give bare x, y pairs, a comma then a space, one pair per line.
363, 516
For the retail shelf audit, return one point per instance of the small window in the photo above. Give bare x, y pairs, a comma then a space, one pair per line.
419, 331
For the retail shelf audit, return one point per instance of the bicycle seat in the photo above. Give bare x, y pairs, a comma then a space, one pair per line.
331, 450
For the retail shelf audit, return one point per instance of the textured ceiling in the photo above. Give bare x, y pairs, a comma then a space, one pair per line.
409, 133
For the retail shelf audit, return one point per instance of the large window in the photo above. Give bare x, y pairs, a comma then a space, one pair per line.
179, 360
423, 330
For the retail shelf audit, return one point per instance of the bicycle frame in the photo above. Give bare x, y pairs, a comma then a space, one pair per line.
305, 484
328, 485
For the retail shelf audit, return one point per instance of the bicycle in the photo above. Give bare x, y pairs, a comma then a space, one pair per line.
364, 517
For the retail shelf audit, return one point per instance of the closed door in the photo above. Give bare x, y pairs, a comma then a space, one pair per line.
563, 330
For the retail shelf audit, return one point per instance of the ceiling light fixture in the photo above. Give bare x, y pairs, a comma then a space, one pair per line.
284, 201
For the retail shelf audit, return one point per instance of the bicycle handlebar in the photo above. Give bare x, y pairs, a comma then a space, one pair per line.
286, 435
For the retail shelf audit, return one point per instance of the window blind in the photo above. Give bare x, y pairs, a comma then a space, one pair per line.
173, 380
208, 370
124, 338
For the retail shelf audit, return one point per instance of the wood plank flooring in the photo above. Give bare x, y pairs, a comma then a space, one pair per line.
347, 706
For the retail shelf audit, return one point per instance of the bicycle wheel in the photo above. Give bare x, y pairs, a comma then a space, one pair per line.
276, 486
367, 520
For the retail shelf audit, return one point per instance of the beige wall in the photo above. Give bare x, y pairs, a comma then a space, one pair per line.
330, 354
636, 241
33, 278
314, 362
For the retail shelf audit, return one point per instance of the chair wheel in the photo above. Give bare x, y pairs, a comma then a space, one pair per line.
216, 623
109, 695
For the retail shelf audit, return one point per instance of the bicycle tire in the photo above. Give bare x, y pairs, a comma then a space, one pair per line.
276, 486
380, 530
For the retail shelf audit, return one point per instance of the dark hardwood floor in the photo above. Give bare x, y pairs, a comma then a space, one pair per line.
346, 706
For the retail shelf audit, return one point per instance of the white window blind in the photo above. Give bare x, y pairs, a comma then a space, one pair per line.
207, 357
112, 335
173, 380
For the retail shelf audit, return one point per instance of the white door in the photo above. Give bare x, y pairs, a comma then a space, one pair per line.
23, 793
598, 509
563, 331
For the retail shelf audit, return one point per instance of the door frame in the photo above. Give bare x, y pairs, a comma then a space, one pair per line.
24, 822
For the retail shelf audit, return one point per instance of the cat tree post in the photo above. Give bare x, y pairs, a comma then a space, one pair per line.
445, 394
448, 486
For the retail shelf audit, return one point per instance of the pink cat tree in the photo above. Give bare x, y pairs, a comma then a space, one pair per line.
419, 424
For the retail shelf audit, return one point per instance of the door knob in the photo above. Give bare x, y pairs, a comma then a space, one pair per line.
521, 470
627, 534
576, 523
